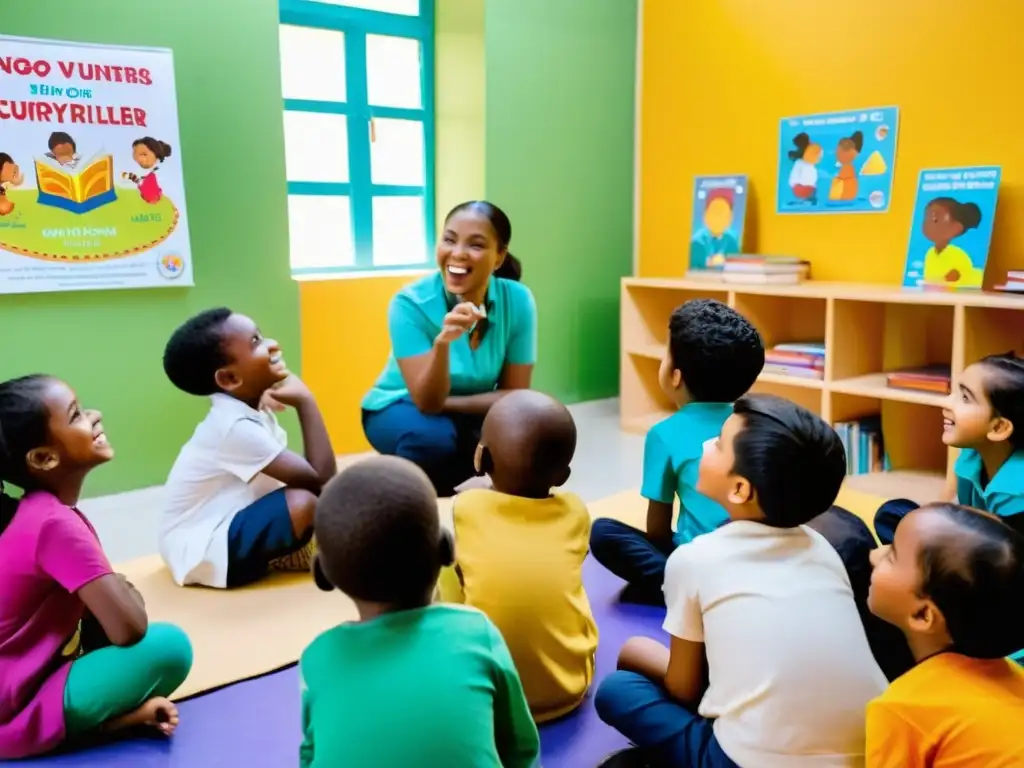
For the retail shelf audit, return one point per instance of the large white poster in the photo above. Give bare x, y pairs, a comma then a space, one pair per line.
91, 190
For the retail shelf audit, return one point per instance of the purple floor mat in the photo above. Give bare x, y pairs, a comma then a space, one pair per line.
256, 723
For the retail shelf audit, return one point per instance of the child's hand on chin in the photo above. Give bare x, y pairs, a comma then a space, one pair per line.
290, 391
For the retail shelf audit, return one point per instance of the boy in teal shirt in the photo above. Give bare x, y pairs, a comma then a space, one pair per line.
714, 355
409, 683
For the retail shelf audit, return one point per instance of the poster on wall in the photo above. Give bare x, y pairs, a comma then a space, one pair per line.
954, 213
719, 212
91, 190
841, 162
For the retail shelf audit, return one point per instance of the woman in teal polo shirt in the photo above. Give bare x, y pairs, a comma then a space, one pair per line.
460, 338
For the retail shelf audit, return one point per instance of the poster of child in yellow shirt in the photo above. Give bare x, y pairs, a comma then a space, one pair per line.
952, 229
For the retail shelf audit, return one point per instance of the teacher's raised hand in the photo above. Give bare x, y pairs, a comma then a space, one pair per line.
459, 321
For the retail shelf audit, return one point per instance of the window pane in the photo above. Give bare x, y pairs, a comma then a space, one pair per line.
399, 231
320, 231
312, 63
393, 71
396, 152
404, 7
315, 146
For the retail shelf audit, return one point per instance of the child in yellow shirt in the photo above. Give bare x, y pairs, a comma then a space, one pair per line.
520, 550
953, 581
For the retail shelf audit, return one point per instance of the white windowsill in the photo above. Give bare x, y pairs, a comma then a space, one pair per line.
363, 274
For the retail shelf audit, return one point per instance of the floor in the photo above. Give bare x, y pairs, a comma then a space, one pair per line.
607, 461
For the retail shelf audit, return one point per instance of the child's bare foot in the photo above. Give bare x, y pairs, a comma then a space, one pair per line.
158, 713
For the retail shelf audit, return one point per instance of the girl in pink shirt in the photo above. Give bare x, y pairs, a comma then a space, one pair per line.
77, 655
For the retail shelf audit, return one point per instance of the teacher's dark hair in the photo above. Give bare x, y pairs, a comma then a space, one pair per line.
511, 268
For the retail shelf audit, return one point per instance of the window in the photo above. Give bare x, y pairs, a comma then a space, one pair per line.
357, 80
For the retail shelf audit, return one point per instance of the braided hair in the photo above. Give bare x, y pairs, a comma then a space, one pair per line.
23, 426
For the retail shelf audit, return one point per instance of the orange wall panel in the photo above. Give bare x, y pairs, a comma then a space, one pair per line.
718, 76
344, 347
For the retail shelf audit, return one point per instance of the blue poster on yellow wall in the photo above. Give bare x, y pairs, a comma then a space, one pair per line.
841, 162
719, 211
952, 228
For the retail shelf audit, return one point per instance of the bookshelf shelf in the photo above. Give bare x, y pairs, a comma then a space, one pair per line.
868, 330
790, 381
873, 385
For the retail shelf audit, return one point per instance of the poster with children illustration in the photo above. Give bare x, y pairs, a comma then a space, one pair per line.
954, 212
719, 211
91, 189
840, 162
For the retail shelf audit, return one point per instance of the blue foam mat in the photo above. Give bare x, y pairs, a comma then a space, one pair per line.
256, 723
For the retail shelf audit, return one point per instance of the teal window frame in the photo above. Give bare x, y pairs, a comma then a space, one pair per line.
356, 24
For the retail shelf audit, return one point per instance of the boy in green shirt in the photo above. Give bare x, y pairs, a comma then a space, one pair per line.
409, 683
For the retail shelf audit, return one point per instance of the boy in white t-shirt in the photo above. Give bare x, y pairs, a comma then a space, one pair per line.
769, 666
238, 502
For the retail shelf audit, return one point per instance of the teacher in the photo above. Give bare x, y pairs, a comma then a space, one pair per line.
460, 339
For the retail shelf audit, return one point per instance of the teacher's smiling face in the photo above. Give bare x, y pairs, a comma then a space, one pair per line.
468, 253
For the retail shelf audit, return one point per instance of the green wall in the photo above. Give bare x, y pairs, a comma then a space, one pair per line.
560, 83
108, 344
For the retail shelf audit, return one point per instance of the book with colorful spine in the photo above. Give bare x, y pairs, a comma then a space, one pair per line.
801, 359
865, 447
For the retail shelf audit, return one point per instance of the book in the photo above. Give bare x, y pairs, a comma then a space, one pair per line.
794, 370
800, 359
704, 275
755, 278
951, 230
864, 445
78, 190
816, 348
929, 378
719, 215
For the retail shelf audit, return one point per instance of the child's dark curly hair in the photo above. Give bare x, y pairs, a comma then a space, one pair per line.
716, 350
194, 352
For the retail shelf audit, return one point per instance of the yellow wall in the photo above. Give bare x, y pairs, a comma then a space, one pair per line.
718, 76
344, 322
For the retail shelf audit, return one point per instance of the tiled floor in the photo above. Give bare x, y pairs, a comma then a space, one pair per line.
607, 461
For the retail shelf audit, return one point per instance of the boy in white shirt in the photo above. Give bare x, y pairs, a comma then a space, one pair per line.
769, 666
238, 502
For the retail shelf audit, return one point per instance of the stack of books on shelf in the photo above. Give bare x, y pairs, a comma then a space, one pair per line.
1014, 283
803, 359
928, 378
765, 270
865, 449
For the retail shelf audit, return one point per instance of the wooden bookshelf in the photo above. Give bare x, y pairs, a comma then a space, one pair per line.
868, 330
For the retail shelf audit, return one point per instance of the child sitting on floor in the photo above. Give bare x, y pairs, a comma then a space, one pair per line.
953, 581
984, 417
768, 665
521, 549
713, 356
238, 502
409, 683
54, 575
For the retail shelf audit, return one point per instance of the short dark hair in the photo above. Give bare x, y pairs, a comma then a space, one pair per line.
61, 137
716, 350
379, 534
1005, 390
195, 352
794, 461
976, 579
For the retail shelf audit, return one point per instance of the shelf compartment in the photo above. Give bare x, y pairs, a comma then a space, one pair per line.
992, 331
809, 398
873, 385
920, 487
641, 394
867, 337
646, 310
781, 319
